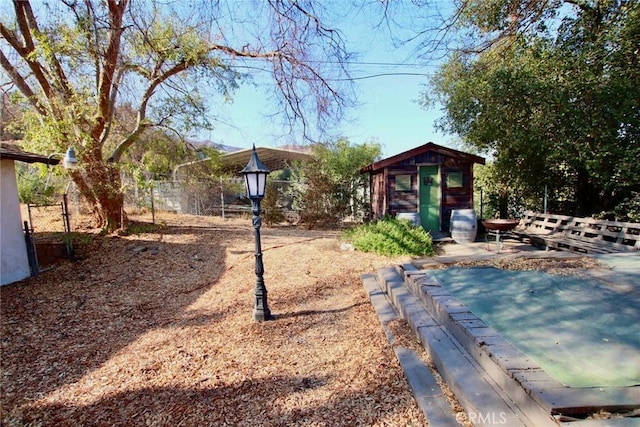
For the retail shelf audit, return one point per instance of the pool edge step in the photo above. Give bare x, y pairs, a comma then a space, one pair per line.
484, 400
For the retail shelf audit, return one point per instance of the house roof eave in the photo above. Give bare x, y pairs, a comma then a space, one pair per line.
10, 150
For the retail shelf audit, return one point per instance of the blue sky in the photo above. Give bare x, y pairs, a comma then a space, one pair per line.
387, 112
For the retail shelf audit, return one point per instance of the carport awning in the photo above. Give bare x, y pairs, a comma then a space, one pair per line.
273, 158
232, 163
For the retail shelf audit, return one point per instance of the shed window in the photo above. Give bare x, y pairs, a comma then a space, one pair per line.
403, 182
454, 180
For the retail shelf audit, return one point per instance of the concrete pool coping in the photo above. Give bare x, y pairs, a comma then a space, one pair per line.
447, 328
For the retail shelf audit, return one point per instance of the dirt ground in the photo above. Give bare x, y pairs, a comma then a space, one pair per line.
156, 328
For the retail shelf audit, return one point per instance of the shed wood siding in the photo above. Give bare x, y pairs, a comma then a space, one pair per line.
387, 200
456, 198
378, 201
402, 201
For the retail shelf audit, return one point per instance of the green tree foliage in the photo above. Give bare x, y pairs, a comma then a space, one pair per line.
156, 152
36, 184
554, 105
331, 188
75, 64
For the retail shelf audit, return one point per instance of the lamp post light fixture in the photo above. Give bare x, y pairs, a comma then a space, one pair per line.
69, 160
255, 178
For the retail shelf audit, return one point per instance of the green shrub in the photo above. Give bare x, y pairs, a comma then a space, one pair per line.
391, 237
35, 186
629, 210
271, 212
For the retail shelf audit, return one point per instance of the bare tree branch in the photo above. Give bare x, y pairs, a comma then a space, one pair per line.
21, 16
26, 50
141, 124
110, 62
112, 105
21, 83
60, 77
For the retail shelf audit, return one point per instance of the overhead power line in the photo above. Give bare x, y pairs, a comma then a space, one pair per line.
360, 77
368, 63
372, 76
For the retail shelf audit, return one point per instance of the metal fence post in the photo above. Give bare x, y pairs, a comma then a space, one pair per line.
67, 226
31, 253
153, 207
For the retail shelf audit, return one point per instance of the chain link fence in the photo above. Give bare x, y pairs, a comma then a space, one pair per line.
215, 197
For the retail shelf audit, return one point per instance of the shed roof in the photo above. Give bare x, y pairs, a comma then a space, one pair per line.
11, 150
430, 146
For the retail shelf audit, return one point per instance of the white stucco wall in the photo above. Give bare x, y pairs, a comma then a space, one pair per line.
13, 249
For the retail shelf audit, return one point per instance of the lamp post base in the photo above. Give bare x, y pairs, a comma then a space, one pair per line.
261, 315
261, 310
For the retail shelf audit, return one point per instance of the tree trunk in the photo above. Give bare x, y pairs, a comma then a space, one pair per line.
100, 185
586, 194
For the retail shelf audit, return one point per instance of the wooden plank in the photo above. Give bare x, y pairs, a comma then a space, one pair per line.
587, 235
573, 401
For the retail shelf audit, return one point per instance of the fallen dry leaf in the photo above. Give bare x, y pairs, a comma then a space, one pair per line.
156, 329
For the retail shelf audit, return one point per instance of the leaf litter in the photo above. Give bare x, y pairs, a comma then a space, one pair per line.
156, 328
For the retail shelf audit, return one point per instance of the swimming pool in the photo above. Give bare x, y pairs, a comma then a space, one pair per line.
583, 331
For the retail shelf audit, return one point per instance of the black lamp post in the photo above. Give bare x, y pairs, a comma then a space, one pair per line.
255, 178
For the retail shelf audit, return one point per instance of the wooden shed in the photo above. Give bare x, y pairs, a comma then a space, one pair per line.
428, 181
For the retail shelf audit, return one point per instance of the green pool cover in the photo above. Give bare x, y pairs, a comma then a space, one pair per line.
583, 331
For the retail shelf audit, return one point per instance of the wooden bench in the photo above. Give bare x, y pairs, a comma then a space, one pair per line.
578, 234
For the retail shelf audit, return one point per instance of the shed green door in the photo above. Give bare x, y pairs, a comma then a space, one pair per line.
430, 197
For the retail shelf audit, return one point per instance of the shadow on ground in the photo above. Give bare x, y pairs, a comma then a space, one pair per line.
60, 325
